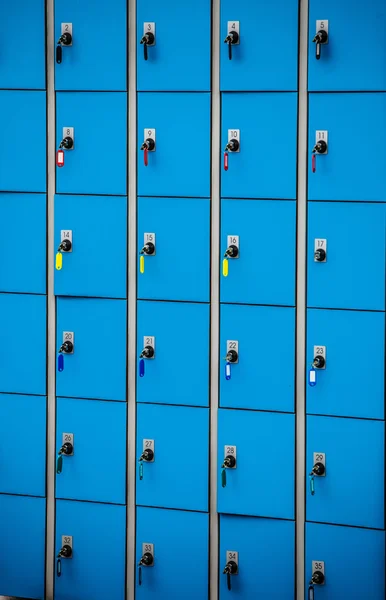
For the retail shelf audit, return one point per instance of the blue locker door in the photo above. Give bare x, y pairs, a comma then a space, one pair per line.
265, 166
180, 541
22, 526
266, 341
352, 384
354, 561
181, 438
354, 57
353, 168
266, 555
97, 367
97, 470
264, 271
97, 569
353, 275
23, 64
97, 163
24, 146
23, 347
180, 268
267, 56
23, 444
262, 484
352, 492
180, 164
97, 58
23, 243
96, 266
179, 371
181, 57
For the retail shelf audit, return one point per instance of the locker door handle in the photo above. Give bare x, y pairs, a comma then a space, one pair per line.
320, 38
147, 40
231, 39
231, 568
64, 40
67, 450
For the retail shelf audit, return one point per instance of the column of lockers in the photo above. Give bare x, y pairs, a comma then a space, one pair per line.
256, 420
345, 538
23, 299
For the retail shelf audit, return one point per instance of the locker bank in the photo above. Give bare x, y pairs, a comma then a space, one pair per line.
192, 300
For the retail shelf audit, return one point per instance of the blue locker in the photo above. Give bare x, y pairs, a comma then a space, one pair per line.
180, 164
352, 491
180, 60
354, 561
22, 526
266, 555
97, 162
98, 41
353, 168
262, 484
179, 371
97, 469
181, 451
266, 339
265, 270
352, 384
24, 135
23, 243
23, 350
179, 270
180, 542
354, 57
23, 64
260, 61
97, 568
353, 275
23, 444
265, 166
96, 265
97, 367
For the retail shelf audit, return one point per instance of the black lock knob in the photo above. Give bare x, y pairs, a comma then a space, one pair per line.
148, 249
229, 461
320, 38
231, 356
320, 147
231, 568
317, 578
65, 39
233, 145
320, 255
147, 455
65, 245
231, 39
319, 470
147, 352
148, 144
147, 560
232, 251
65, 552
319, 362
67, 143
67, 449
147, 40
67, 347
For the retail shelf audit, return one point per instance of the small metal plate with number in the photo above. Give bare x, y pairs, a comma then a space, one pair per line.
68, 438
66, 234
149, 28
149, 237
321, 135
234, 26
318, 565
322, 24
234, 240
68, 336
69, 132
146, 547
234, 134
67, 541
233, 345
149, 340
148, 445
321, 351
66, 28
320, 457
234, 556
320, 244
149, 133
230, 451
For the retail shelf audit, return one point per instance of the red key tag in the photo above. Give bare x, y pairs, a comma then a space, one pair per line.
145, 156
225, 161
60, 158
314, 163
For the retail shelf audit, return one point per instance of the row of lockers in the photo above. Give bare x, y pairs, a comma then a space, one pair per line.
263, 548
263, 167
347, 61
263, 443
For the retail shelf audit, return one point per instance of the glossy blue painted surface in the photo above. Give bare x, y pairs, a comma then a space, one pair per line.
23, 347
24, 147
97, 163
266, 549
97, 264
179, 372
97, 569
354, 58
267, 56
358, 553
23, 243
352, 492
97, 368
180, 165
265, 167
184, 456
180, 268
97, 470
181, 58
354, 274
22, 523
353, 168
99, 41
352, 385
180, 544
264, 272
263, 482
263, 379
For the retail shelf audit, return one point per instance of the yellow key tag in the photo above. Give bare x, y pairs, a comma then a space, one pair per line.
225, 267
59, 261
142, 264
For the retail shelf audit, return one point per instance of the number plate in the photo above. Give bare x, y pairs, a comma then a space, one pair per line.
68, 438
320, 243
66, 28
318, 565
149, 340
68, 336
321, 351
69, 132
320, 457
234, 556
322, 24
149, 133
149, 28
149, 237
233, 345
148, 445
321, 135
67, 541
234, 134
146, 547
230, 451
234, 26
234, 240
66, 234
